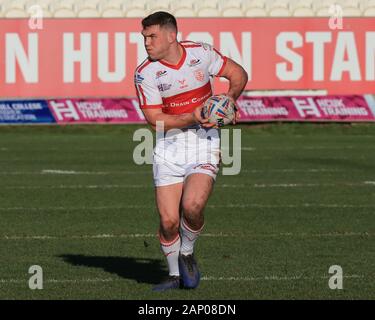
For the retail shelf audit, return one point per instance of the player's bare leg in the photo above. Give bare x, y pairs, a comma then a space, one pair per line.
197, 189
168, 200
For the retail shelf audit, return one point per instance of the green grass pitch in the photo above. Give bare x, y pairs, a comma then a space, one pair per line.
74, 202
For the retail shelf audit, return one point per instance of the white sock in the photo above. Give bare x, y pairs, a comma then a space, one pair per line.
188, 237
171, 250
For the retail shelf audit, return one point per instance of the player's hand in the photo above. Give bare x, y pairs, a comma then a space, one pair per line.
199, 118
237, 115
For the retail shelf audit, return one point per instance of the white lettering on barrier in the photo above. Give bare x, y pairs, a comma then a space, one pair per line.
345, 59
119, 73
64, 111
257, 108
282, 71
346, 111
318, 40
330, 103
228, 47
345, 46
370, 56
104, 114
306, 107
140, 114
370, 100
137, 39
27, 62
82, 56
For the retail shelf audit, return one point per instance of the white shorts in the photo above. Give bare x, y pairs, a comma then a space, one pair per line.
181, 153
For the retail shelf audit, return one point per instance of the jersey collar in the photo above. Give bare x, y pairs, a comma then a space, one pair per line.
179, 64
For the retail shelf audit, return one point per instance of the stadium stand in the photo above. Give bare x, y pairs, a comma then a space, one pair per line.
112, 13
158, 5
56, 5
188, 8
64, 13
88, 13
208, 12
231, 12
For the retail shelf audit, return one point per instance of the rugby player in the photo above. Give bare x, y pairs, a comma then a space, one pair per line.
172, 85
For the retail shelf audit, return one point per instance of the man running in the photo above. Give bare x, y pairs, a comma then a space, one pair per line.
172, 85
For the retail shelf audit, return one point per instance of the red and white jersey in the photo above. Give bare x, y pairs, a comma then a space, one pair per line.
179, 88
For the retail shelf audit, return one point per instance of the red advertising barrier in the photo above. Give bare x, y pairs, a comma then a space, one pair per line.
308, 108
97, 57
355, 108
96, 111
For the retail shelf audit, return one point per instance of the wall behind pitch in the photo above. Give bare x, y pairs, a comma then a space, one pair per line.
97, 57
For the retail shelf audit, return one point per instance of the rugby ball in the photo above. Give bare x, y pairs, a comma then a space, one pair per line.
219, 109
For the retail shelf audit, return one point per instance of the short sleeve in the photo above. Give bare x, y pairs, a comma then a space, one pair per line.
216, 61
147, 92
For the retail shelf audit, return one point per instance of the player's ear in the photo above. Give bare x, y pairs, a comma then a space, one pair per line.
172, 36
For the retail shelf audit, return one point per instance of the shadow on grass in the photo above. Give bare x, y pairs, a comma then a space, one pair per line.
149, 271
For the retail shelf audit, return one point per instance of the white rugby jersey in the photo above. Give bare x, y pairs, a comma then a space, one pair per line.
179, 88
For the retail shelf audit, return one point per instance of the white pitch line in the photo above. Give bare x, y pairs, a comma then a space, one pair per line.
136, 172
317, 148
303, 205
245, 205
59, 171
247, 149
80, 280
275, 278
204, 278
97, 236
104, 186
76, 208
60, 280
71, 172
298, 185
290, 185
139, 186
274, 185
303, 148
206, 235
290, 170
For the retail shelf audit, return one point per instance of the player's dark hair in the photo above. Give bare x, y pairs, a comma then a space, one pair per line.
161, 18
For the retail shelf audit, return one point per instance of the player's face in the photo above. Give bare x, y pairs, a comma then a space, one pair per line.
157, 41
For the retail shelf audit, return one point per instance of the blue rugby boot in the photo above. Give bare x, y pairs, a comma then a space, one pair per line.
189, 271
171, 282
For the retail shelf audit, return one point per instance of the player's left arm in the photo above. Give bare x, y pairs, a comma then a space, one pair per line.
237, 77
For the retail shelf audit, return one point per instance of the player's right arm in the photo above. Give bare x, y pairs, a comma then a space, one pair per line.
174, 121
151, 104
